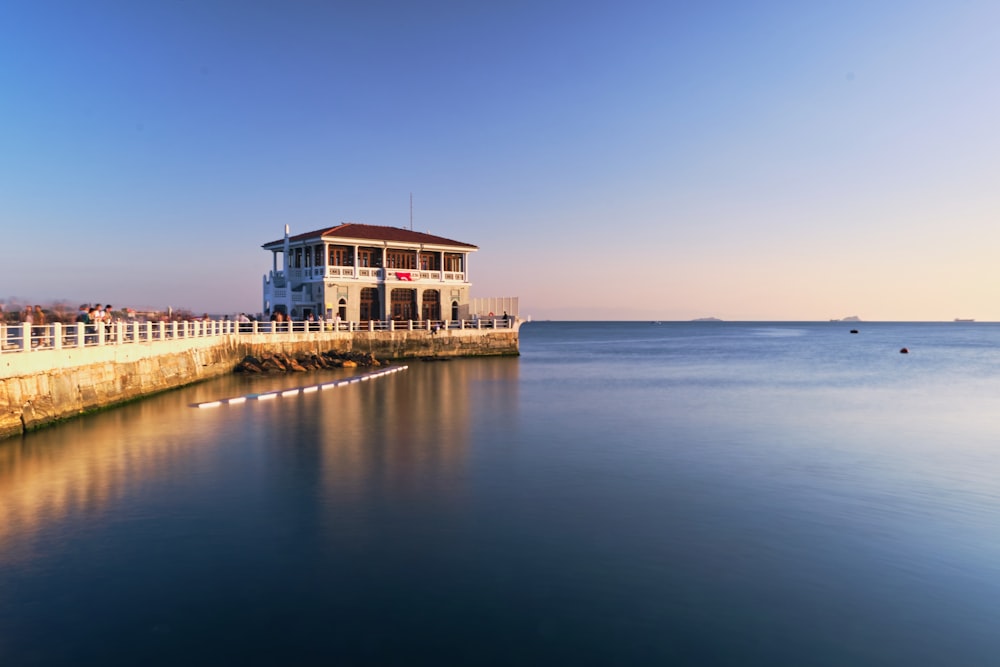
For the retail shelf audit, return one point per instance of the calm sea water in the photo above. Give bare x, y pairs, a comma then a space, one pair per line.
621, 494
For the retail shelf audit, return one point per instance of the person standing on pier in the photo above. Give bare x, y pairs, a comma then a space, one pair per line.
41, 327
107, 319
92, 324
27, 319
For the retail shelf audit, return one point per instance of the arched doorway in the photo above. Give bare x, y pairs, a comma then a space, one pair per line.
370, 307
342, 309
403, 304
431, 302
454, 310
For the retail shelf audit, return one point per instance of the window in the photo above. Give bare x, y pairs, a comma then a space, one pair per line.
453, 262
431, 302
341, 255
430, 261
370, 307
403, 304
369, 257
401, 259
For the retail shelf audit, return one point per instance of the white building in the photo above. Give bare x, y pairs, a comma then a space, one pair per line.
368, 272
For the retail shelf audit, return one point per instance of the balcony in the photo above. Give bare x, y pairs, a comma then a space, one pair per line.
367, 274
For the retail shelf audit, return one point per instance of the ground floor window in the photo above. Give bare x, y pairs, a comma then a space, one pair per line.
431, 304
403, 304
370, 305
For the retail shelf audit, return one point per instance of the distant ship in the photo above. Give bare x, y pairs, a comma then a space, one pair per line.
962, 319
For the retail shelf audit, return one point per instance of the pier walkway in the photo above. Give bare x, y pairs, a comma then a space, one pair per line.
27, 338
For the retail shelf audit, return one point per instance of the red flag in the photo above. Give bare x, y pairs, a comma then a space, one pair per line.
403, 276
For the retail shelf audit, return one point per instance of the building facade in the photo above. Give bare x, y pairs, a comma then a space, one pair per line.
368, 272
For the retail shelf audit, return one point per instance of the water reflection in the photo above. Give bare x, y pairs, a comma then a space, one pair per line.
405, 435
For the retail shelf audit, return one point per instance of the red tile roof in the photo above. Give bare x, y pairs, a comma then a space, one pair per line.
354, 230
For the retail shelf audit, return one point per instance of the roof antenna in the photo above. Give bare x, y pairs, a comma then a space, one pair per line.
411, 211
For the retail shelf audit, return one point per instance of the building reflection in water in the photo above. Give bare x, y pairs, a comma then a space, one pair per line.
406, 437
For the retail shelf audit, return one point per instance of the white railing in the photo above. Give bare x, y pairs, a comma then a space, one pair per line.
40, 338
349, 272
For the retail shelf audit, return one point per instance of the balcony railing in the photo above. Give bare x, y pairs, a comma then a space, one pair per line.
20, 338
317, 273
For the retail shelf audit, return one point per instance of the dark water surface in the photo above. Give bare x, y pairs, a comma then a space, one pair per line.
621, 494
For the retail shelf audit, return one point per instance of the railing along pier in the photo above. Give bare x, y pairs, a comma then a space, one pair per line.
32, 338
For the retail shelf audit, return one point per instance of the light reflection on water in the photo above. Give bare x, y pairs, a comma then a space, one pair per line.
621, 494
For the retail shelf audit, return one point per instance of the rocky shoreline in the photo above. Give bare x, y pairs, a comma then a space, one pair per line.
282, 363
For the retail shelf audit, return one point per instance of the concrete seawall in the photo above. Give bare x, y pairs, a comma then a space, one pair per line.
39, 388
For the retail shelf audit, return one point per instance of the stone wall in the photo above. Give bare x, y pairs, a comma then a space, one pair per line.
39, 388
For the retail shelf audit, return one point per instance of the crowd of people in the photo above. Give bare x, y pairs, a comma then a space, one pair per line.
38, 319
94, 318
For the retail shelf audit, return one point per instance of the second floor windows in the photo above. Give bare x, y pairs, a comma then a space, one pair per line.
430, 261
306, 257
369, 257
401, 259
341, 256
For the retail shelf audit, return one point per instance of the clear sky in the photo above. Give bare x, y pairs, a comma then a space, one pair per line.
612, 160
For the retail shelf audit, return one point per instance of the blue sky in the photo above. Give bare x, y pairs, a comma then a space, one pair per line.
626, 160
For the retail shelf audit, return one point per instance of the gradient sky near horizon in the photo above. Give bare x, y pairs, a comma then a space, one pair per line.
612, 160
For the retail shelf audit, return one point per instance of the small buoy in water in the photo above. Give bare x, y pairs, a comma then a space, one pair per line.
904, 351
854, 331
